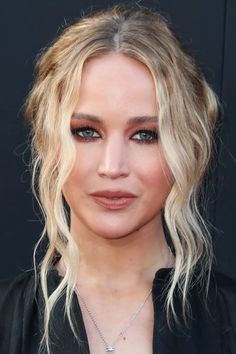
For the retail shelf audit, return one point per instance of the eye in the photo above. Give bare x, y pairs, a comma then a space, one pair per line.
146, 136
85, 133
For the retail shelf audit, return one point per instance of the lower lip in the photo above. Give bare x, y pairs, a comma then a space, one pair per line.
111, 203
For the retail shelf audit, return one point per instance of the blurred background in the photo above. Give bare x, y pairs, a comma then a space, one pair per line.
207, 28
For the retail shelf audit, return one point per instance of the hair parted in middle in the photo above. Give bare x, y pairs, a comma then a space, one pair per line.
187, 113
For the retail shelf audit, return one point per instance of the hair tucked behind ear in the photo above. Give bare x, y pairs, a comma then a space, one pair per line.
187, 115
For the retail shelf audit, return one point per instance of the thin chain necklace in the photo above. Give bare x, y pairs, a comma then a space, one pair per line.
111, 348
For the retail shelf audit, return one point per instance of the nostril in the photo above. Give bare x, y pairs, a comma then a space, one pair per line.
113, 171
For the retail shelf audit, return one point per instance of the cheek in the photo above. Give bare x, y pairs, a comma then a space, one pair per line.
77, 177
84, 165
157, 176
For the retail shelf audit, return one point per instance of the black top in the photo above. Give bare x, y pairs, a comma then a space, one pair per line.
210, 332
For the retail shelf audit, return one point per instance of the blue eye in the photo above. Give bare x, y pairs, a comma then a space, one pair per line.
146, 136
85, 133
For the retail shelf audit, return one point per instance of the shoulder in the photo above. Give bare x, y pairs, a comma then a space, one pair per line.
15, 292
17, 311
15, 286
224, 284
225, 307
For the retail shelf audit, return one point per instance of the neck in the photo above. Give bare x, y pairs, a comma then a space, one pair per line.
121, 263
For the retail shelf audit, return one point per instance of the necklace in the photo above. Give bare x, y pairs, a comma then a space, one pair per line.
111, 348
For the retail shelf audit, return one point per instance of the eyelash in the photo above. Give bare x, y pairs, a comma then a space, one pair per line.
152, 133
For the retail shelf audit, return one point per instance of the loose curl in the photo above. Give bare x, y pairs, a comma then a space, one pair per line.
188, 110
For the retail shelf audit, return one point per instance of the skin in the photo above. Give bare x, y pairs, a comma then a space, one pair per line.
119, 249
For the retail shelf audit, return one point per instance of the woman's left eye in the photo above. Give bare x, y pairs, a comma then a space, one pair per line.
146, 136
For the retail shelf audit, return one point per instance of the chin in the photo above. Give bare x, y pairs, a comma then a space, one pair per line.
115, 237
110, 233
116, 231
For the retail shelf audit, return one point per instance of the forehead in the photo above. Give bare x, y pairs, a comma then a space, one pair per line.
117, 80
116, 62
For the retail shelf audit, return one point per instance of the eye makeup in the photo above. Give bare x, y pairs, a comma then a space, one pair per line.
87, 133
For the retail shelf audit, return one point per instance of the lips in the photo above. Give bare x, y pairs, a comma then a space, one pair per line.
113, 199
113, 193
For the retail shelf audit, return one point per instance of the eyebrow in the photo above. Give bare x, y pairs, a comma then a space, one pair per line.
131, 120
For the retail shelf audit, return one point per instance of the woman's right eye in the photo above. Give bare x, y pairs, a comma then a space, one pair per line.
85, 133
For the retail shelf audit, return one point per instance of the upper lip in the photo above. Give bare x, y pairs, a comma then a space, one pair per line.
108, 193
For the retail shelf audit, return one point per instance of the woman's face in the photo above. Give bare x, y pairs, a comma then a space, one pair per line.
114, 128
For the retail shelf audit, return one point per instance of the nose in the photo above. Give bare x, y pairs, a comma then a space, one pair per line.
113, 160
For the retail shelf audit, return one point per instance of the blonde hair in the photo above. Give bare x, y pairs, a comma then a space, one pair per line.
188, 111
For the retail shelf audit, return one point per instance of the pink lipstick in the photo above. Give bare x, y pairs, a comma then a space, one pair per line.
113, 199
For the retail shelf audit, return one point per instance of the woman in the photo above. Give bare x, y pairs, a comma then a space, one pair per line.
122, 125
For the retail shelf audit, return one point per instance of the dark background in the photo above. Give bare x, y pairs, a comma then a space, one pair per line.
207, 27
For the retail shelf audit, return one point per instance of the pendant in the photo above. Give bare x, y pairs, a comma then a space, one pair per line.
110, 349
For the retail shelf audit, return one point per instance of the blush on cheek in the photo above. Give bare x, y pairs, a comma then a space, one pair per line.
169, 178
166, 171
